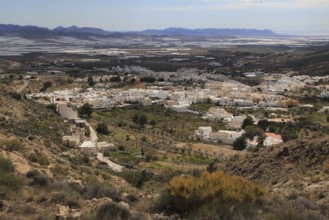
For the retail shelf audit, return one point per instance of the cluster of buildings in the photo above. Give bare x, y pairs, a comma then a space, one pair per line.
229, 136
218, 89
79, 133
178, 98
234, 129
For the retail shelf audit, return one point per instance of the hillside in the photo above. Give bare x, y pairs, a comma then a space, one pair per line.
295, 169
50, 180
40, 178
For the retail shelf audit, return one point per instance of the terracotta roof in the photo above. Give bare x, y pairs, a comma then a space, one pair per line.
273, 135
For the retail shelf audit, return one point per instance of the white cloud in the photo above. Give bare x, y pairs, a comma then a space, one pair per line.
195, 5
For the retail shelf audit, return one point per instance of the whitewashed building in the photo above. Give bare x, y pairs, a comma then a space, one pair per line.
89, 148
203, 132
224, 136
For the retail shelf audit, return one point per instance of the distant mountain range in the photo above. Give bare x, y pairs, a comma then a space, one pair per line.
74, 31
210, 32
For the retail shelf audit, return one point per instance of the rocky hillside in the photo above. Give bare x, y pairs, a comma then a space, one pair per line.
42, 179
295, 169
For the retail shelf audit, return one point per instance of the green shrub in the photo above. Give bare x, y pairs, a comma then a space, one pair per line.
38, 178
85, 111
52, 107
66, 199
6, 166
8, 180
58, 170
253, 131
112, 210
102, 129
247, 122
100, 191
11, 145
184, 194
136, 178
240, 143
42, 160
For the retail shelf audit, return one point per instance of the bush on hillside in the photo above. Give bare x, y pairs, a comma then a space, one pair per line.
112, 210
8, 179
11, 145
240, 143
102, 129
184, 194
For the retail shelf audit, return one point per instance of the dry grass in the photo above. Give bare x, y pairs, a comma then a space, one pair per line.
212, 150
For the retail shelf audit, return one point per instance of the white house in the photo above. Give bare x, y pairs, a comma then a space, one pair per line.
324, 94
89, 148
180, 108
146, 102
224, 136
101, 103
218, 114
71, 141
243, 102
236, 122
104, 146
203, 132
272, 139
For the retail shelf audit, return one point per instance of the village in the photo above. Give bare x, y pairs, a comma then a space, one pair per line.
221, 93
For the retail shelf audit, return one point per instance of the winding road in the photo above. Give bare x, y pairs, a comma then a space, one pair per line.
112, 165
100, 156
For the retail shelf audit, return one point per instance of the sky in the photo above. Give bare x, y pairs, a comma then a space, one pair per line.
302, 17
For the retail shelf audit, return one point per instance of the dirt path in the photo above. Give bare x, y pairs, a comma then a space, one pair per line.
93, 134
112, 165
21, 88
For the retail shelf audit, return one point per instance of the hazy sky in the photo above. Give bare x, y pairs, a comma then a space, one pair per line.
282, 16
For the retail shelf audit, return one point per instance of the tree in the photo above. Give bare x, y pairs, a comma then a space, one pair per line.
263, 124
136, 119
133, 80
85, 111
153, 122
261, 140
248, 121
212, 167
52, 107
46, 85
252, 131
91, 81
102, 128
289, 132
240, 143
266, 114
115, 79
142, 120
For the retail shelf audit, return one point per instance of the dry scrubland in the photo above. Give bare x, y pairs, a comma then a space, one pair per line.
168, 171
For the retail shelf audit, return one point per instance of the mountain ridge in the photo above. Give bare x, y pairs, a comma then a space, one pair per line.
210, 32
36, 31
